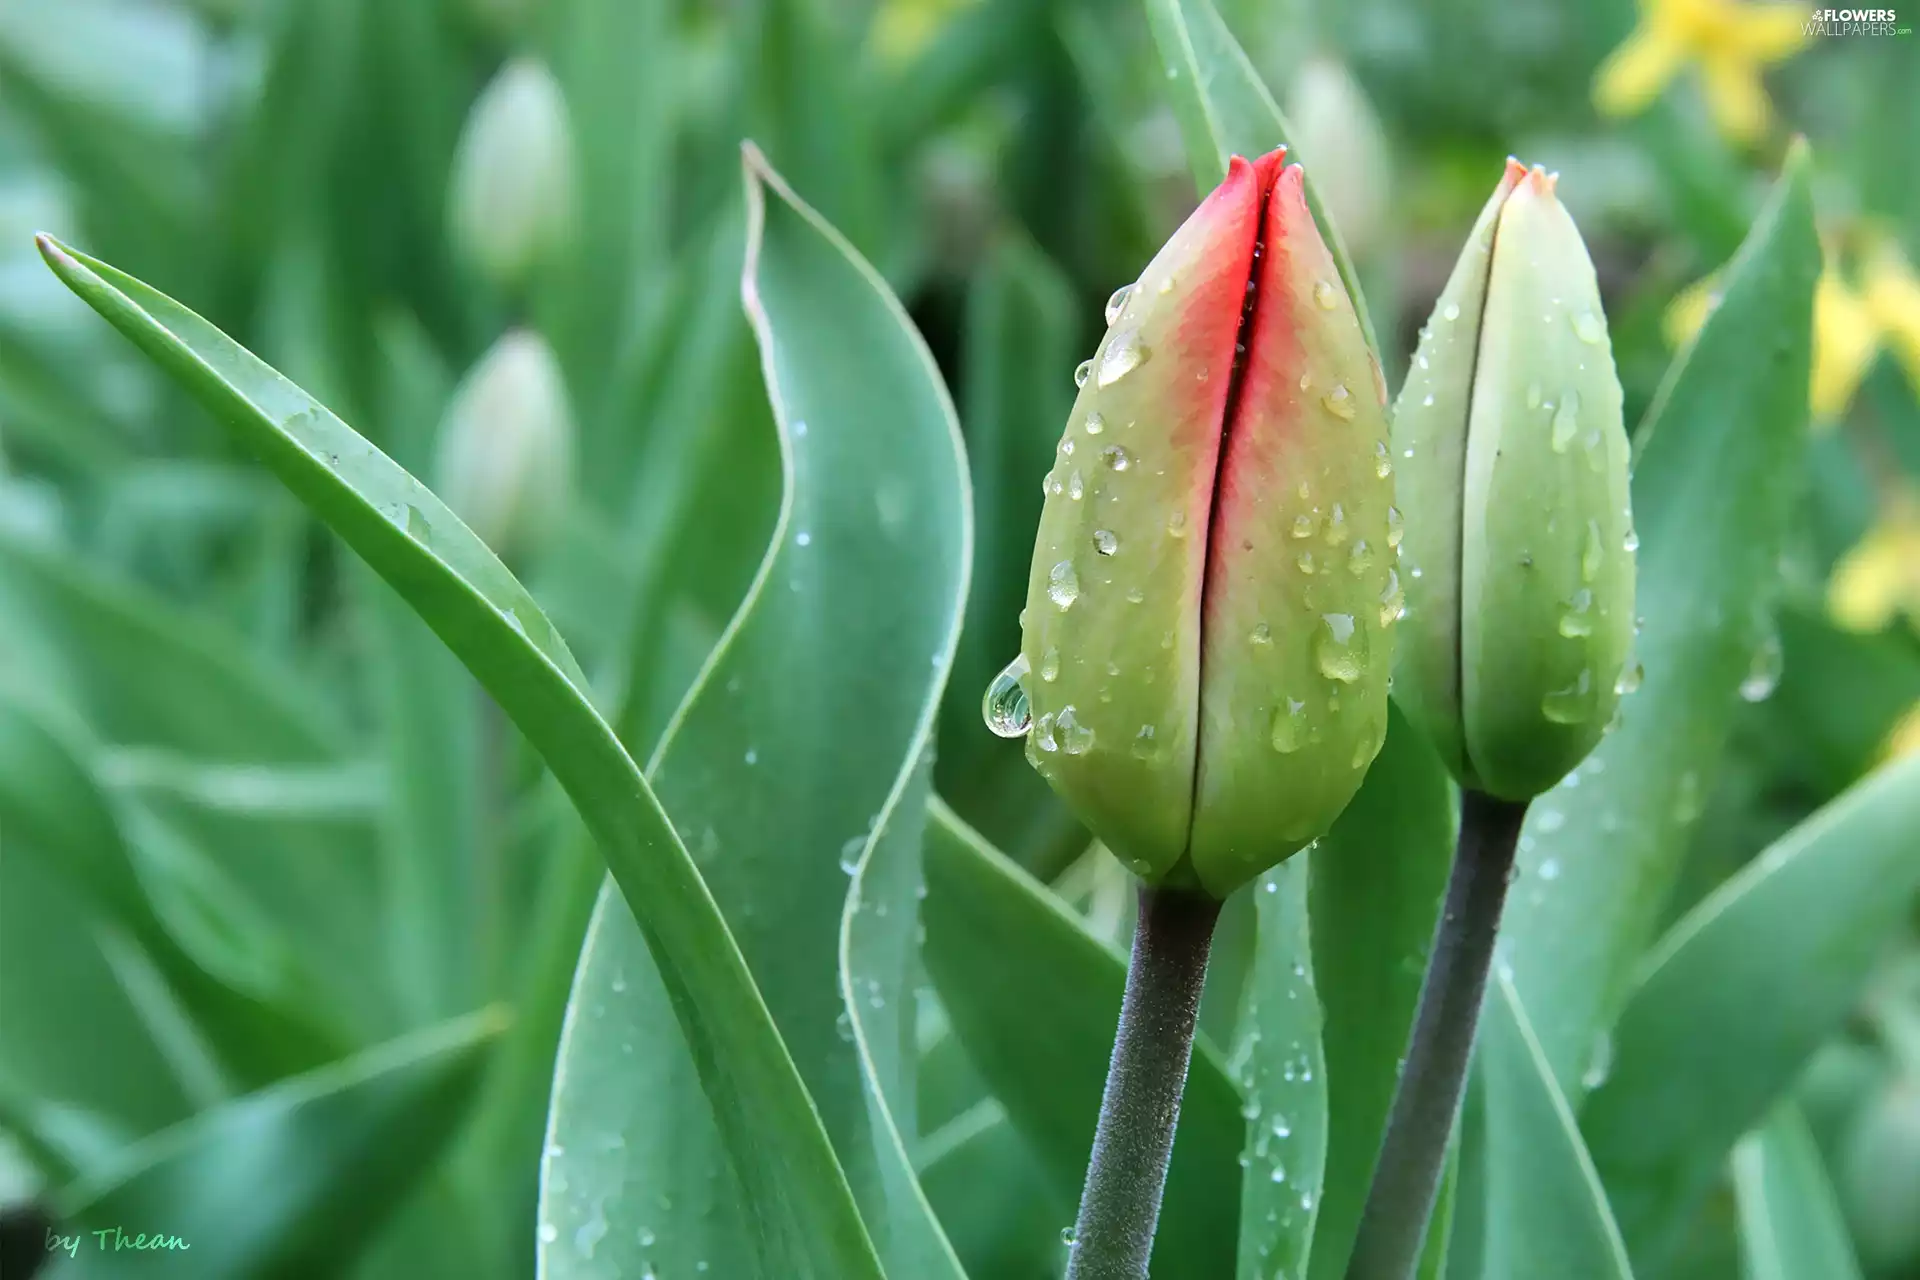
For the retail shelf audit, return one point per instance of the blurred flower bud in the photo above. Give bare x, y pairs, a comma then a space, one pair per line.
1207, 618
1335, 127
512, 193
1880, 1178
1518, 559
505, 464
504, 18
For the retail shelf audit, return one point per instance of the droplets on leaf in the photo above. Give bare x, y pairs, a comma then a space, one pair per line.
1393, 601
1450, 312
1116, 458
1589, 328
1117, 302
1144, 747
1763, 675
1105, 542
1305, 561
1177, 525
1082, 373
1337, 526
1360, 559
1323, 293
1289, 726
1339, 402
1063, 585
1630, 543
1570, 705
1305, 526
1576, 620
1261, 634
1095, 424
1076, 739
1630, 677
1050, 664
1592, 554
1340, 647
1066, 446
1076, 487
1566, 420
1382, 459
1395, 528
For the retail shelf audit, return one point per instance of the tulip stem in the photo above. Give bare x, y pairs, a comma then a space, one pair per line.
1113, 1236
1393, 1226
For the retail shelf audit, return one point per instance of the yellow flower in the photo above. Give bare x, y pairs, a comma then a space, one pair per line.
1879, 579
1729, 40
1850, 326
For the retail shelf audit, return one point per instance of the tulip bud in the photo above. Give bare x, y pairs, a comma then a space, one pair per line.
1206, 622
505, 461
512, 202
1336, 127
1518, 554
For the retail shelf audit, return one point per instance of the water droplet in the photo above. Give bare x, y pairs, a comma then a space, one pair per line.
1105, 542
1341, 648
1135, 595
1306, 380
1589, 328
1550, 869
1144, 747
803, 539
417, 527
1289, 726
1095, 424
1177, 525
1304, 525
1566, 420
1631, 542
1546, 822
1763, 676
1395, 528
1066, 1236
1050, 665
1324, 295
1382, 459
1576, 621
1115, 457
1630, 678
1572, 704
1426, 403
1076, 739
1066, 446
1279, 1174
1305, 561
1336, 526
1118, 302
1082, 373
1123, 356
1393, 602
548, 1233
1599, 1062
1360, 559
1451, 311
1340, 403
1063, 585
1592, 554
1076, 487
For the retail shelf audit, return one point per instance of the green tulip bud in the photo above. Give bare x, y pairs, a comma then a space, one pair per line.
1336, 127
1207, 617
505, 461
513, 174
1518, 553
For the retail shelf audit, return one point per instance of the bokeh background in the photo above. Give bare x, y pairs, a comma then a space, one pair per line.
502, 239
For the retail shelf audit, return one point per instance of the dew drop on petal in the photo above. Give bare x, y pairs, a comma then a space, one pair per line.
1337, 526
1289, 727
1177, 525
1382, 459
1592, 554
1340, 403
1076, 739
1570, 705
1095, 424
1116, 458
1005, 707
1360, 559
1395, 528
1566, 420
1576, 620
1050, 665
1323, 293
1589, 328
1304, 525
1393, 602
1105, 542
1451, 311
1118, 302
1340, 647
1261, 634
1122, 357
1082, 373
1063, 585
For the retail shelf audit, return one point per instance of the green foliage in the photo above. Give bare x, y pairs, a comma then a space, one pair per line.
309, 950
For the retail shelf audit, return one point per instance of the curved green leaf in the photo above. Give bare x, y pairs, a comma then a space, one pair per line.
1545, 1211
1790, 1222
1600, 852
994, 1200
292, 1180
802, 740
1225, 109
1374, 896
1035, 999
804, 1218
1733, 1002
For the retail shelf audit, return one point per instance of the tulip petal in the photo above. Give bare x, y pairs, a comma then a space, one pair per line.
1429, 446
1298, 565
1111, 628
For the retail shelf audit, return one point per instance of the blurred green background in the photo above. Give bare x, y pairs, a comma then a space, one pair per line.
503, 237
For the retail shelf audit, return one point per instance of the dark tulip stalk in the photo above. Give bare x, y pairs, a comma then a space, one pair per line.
1207, 631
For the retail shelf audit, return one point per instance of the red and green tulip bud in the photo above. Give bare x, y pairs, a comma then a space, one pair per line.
1518, 555
1207, 622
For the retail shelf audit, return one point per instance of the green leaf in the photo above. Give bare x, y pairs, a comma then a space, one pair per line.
1035, 999
1601, 851
1545, 1211
292, 1180
1225, 109
1279, 1058
1790, 1223
994, 1200
804, 737
804, 1216
1374, 897
1733, 1002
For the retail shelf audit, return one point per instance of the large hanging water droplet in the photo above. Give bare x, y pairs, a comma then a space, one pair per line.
1118, 302
1076, 739
1290, 727
1340, 403
1063, 585
1570, 705
1763, 676
1589, 327
1340, 647
1082, 372
1323, 293
1592, 554
1576, 621
1005, 707
1123, 356
1566, 420
1105, 542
